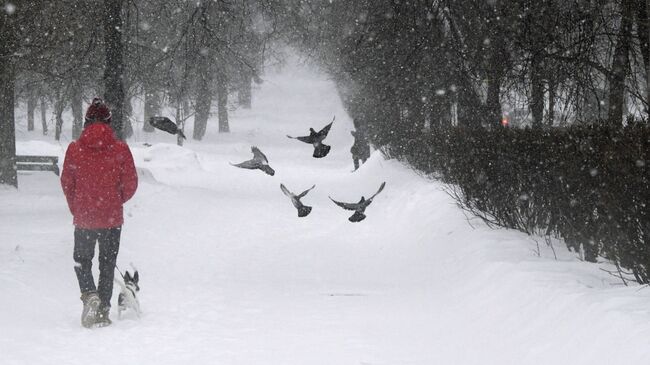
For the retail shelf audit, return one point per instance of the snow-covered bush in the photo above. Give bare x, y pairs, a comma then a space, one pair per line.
587, 185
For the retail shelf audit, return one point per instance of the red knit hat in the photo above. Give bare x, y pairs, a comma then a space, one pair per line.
98, 112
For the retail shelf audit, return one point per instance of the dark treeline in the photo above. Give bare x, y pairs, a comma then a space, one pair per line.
187, 55
412, 64
437, 83
473, 63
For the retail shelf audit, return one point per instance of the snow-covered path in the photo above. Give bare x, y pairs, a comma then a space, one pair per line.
230, 275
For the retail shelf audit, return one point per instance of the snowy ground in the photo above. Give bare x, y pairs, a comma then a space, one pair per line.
230, 275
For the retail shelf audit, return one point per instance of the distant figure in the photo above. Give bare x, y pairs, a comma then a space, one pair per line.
98, 178
258, 162
360, 149
316, 139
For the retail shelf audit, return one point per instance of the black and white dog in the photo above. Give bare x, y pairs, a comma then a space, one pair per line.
128, 294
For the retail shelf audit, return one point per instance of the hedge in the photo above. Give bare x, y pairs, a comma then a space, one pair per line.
586, 185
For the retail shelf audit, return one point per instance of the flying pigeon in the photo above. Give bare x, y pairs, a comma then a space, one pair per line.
165, 124
259, 161
303, 210
316, 139
359, 207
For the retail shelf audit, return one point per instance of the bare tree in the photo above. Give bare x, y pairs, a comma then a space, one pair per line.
9, 23
620, 66
114, 69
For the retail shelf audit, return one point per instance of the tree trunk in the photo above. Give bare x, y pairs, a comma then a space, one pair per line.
445, 105
469, 106
497, 65
127, 112
31, 105
222, 102
643, 29
179, 118
203, 104
77, 110
552, 89
7, 121
493, 102
620, 64
113, 86
537, 91
59, 106
187, 109
441, 107
151, 107
435, 109
44, 115
245, 88
8, 45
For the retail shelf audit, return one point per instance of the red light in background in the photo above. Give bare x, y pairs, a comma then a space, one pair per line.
504, 122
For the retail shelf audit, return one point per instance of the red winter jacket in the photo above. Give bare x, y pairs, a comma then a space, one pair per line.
98, 177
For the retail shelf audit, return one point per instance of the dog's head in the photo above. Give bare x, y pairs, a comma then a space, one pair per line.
132, 280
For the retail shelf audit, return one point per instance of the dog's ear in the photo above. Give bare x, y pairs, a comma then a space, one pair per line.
127, 276
136, 276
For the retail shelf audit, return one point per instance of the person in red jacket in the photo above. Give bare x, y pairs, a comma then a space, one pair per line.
98, 177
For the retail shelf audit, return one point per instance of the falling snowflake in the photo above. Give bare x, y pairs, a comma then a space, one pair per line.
145, 26
10, 8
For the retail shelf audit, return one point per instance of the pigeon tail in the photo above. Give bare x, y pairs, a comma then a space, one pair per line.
321, 151
267, 169
304, 211
357, 217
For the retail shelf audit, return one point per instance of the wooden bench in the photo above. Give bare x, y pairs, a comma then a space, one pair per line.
38, 163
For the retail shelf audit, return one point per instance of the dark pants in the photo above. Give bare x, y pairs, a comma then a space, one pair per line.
84, 251
360, 153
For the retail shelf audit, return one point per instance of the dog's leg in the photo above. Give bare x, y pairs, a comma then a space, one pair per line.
135, 304
122, 290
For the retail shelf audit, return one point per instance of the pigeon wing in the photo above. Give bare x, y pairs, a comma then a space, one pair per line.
306, 139
305, 192
323, 132
258, 155
294, 200
346, 206
378, 191
250, 164
286, 191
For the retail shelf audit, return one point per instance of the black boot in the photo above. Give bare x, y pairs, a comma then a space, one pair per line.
101, 319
